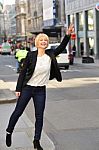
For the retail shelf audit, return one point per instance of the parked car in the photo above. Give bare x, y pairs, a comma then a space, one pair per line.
6, 48
63, 58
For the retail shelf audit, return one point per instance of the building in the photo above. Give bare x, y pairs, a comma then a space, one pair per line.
12, 24
86, 20
1, 7
46, 16
54, 19
36, 11
7, 22
1, 23
40, 16
29, 18
21, 19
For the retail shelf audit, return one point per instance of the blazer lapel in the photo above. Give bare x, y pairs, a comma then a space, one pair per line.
50, 54
33, 60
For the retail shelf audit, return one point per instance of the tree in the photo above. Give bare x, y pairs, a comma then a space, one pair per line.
1, 7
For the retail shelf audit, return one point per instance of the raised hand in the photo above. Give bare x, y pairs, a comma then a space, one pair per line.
70, 29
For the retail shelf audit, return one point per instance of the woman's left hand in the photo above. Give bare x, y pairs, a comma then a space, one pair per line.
70, 29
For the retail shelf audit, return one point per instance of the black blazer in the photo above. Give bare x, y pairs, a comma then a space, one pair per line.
30, 63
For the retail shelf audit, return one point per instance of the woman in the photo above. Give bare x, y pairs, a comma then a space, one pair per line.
39, 67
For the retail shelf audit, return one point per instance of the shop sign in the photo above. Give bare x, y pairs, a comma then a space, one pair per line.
97, 6
49, 12
80, 34
90, 33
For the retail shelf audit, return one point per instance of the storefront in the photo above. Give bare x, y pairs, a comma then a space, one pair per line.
86, 21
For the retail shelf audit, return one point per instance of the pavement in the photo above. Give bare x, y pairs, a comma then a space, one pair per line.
78, 61
23, 134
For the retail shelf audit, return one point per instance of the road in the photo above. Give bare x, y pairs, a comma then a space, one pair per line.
8, 68
72, 106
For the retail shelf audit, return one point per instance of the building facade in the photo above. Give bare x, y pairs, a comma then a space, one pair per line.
54, 19
11, 21
85, 17
1, 23
12, 14
29, 17
21, 18
46, 16
34, 16
7, 22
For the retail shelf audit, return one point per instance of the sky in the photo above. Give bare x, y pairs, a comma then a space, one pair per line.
8, 2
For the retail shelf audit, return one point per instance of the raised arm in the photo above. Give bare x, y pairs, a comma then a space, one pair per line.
65, 40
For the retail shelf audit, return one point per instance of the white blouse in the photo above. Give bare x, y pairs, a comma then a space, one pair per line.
41, 73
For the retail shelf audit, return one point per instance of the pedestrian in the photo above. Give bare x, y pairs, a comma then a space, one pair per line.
20, 56
82, 48
39, 67
17, 48
74, 50
32, 44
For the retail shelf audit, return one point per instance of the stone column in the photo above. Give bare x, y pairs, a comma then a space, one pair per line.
76, 31
86, 45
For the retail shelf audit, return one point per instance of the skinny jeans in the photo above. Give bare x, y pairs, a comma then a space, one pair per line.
39, 97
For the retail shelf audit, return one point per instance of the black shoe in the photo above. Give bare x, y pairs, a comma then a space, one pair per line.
8, 139
37, 145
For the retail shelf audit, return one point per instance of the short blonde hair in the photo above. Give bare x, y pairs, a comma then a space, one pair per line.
40, 36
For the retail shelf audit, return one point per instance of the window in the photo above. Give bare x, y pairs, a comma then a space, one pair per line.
72, 18
91, 46
29, 22
81, 21
90, 20
28, 5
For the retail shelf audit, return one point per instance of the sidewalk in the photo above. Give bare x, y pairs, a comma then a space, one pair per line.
23, 133
78, 61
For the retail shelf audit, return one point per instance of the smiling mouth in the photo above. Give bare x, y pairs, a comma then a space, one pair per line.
44, 44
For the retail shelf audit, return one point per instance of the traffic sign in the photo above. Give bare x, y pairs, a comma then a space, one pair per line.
73, 36
97, 6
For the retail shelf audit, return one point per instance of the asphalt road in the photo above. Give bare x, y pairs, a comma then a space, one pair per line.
72, 110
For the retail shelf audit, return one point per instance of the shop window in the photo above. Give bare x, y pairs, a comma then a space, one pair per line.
81, 46
91, 46
72, 18
90, 20
81, 21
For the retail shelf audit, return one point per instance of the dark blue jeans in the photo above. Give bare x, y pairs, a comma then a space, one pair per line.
39, 96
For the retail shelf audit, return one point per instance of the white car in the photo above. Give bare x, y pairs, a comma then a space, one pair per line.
63, 58
6, 48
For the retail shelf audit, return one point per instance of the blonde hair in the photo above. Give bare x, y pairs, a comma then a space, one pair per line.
38, 38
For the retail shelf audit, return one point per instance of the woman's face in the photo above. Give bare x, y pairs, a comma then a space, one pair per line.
43, 42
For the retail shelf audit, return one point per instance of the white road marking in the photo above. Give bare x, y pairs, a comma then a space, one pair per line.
12, 67
75, 82
71, 70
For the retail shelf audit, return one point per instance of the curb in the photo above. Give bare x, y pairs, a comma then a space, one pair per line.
7, 101
85, 65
